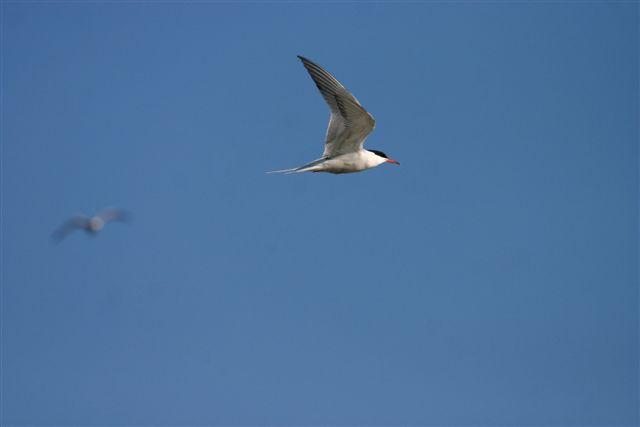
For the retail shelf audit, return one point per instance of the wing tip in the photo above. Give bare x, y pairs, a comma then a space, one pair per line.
304, 60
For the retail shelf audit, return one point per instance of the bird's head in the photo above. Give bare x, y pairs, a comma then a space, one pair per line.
384, 157
95, 224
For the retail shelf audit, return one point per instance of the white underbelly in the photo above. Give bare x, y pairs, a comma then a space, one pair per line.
346, 163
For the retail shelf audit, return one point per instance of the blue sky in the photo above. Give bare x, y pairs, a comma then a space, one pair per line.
491, 279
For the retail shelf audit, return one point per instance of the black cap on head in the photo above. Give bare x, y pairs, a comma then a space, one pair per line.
379, 153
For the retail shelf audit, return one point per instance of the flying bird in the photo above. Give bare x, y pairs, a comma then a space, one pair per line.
349, 126
91, 225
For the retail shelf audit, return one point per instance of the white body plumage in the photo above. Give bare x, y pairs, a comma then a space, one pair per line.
347, 163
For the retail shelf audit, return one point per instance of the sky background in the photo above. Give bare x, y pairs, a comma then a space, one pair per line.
491, 279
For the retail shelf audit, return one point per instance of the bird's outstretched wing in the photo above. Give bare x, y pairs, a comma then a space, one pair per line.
114, 214
78, 222
349, 123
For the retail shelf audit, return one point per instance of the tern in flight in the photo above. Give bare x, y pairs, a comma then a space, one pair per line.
349, 126
91, 225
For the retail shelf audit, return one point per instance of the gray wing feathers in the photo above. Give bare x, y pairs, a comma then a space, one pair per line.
78, 222
350, 123
114, 214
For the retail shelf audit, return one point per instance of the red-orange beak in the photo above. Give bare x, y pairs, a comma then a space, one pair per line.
395, 162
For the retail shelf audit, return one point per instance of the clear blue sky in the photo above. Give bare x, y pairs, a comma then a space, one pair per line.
491, 279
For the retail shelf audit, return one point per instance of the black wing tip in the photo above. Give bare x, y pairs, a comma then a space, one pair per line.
59, 235
305, 60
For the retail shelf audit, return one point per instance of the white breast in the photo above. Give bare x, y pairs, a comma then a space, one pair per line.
351, 162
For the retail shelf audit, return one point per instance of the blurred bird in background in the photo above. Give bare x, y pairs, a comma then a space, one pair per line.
90, 224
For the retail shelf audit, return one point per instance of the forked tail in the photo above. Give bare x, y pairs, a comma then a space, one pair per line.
303, 168
285, 171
